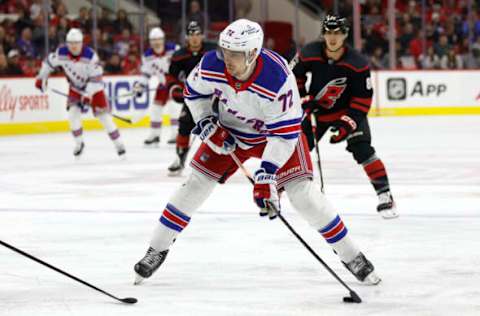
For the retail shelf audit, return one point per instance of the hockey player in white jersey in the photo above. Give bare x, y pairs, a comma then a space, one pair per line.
155, 63
259, 115
81, 66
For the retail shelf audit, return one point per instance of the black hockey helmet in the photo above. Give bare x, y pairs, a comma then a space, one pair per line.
334, 23
194, 28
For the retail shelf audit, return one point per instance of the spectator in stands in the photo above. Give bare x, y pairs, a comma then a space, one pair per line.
36, 9
407, 36
104, 44
62, 29
113, 65
105, 23
407, 61
123, 42
3, 65
23, 21
442, 47
9, 42
122, 21
242, 8
83, 20
472, 60
195, 13
414, 12
52, 38
13, 60
131, 63
430, 60
30, 67
416, 45
25, 44
378, 61
2, 36
38, 32
451, 60
60, 12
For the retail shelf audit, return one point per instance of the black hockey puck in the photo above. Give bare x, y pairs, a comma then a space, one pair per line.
129, 300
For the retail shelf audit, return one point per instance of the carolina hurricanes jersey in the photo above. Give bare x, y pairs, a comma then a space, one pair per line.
83, 72
264, 109
156, 65
341, 87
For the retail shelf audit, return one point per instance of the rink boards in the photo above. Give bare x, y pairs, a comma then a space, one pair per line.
23, 110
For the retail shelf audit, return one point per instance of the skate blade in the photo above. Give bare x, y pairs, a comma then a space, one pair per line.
152, 145
389, 214
174, 174
138, 279
372, 279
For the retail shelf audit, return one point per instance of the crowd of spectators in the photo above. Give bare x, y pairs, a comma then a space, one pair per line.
450, 38
22, 36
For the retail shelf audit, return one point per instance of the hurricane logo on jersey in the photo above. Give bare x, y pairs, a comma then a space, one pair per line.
332, 91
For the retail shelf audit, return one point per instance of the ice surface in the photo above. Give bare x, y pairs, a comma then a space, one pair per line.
94, 218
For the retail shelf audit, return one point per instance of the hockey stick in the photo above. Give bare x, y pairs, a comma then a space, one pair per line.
313, 120
128, 300
135, 118
353, 298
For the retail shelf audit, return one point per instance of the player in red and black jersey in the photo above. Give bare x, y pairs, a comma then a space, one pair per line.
183, 61
339, 96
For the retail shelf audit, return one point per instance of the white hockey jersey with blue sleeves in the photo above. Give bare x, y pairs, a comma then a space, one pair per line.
83, 72
154, 65
264, 109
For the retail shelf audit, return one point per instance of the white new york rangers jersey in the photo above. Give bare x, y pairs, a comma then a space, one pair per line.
83, 72
264, 109
154, 65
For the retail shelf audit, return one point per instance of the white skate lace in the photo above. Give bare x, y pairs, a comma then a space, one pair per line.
152, 257
385, 198
356, 264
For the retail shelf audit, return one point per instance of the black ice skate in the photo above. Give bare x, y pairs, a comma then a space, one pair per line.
386, 205
176, 168
78, 150
152, 141
363, 270
149, 264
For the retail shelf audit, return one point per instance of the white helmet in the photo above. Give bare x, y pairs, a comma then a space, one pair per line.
242, 36
74, 35
156, 33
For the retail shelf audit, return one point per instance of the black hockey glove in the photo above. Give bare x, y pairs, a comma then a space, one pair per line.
139, 88
342, 127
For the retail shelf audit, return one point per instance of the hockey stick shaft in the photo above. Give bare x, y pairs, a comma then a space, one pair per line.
118, 117
291, 229
23, 253
313, 120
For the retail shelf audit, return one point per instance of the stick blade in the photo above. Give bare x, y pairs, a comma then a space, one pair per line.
353, 298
